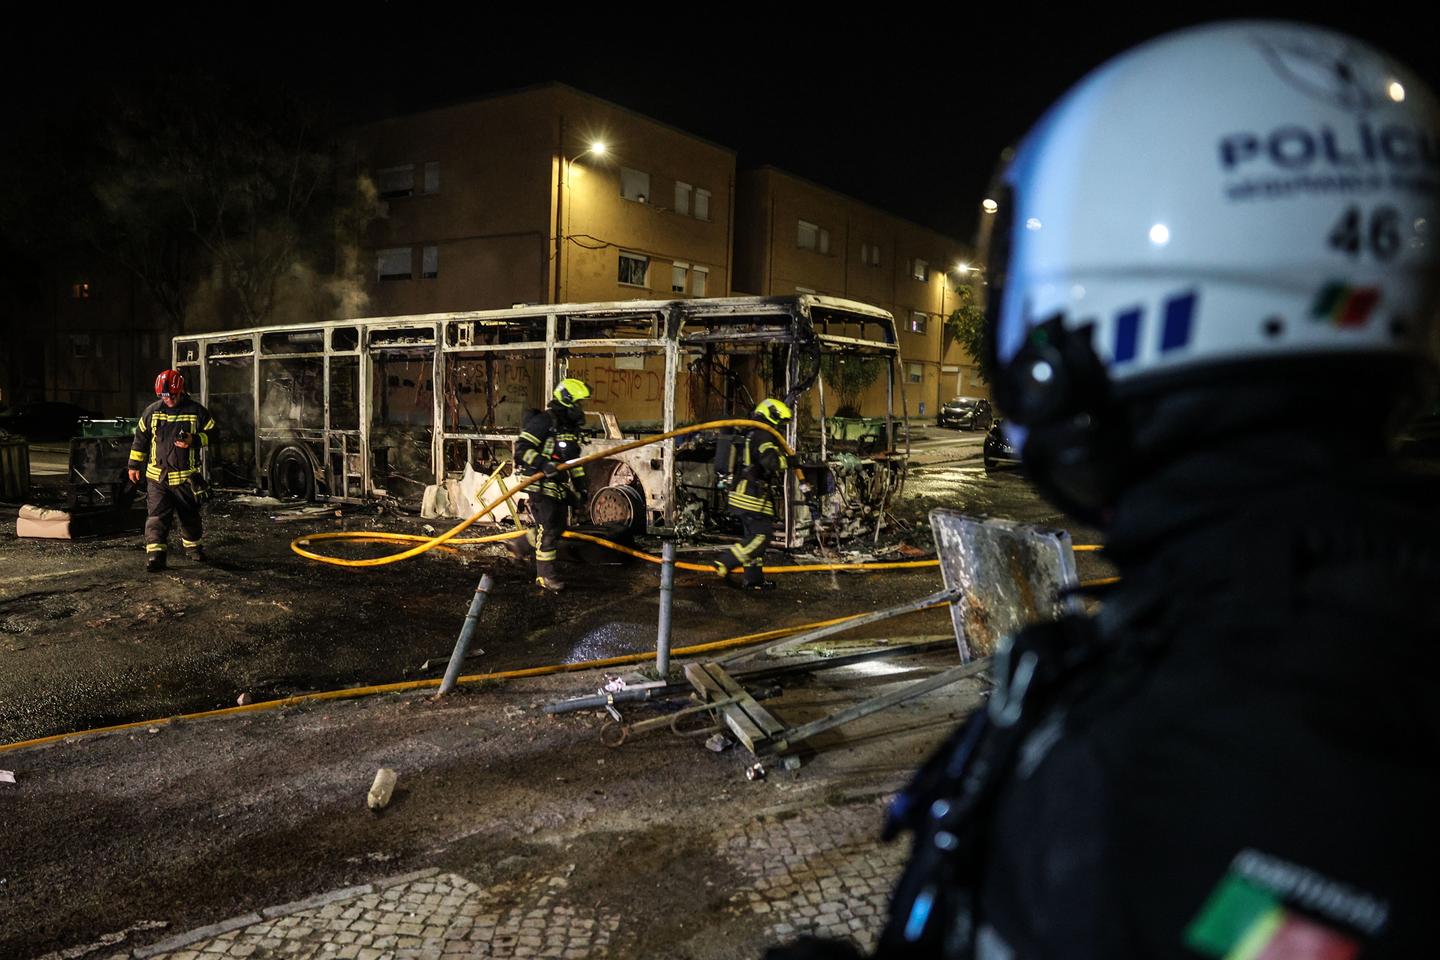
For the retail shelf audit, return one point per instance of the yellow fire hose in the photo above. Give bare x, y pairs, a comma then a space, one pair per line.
424, 684
424, 544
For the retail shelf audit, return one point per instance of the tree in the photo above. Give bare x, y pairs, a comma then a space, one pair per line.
966, 325
225, 200
850, 376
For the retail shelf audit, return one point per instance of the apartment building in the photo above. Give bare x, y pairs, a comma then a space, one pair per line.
546, 195
792, 235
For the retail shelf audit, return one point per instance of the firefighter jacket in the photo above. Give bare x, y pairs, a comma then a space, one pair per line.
155, 435
553, 435
759, 470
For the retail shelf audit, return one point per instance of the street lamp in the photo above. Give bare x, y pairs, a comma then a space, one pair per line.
597, 148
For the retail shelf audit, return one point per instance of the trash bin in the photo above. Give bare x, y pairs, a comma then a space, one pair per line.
14, 468
863, 433
116, 427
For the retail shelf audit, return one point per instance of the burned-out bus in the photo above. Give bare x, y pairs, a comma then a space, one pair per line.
390, 406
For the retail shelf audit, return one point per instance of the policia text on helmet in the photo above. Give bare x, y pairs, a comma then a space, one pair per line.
1213, 297
547, 438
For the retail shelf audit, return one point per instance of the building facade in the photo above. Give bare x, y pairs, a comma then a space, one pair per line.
509, 200
796, 236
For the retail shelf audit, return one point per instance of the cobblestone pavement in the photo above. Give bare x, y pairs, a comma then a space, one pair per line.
815, 870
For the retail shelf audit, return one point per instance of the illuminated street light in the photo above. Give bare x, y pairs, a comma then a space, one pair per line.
988, 205
598, 148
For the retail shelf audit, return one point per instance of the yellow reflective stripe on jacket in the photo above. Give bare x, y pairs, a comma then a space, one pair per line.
137, 455
153, 470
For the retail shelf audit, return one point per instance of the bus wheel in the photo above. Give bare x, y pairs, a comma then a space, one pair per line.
292, 476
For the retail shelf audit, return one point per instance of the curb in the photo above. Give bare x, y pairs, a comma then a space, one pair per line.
182, 940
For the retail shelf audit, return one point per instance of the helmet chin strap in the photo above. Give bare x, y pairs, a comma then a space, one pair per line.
1079, 464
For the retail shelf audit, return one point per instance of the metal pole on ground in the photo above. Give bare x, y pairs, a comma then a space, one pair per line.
667, 588
462, 646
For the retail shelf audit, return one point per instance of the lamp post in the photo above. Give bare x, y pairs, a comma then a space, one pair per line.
967, 272
596, 148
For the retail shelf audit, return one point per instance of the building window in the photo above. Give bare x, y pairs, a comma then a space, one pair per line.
634, 185
634, 269
699, 281
919, 269
396, 263
81, 290
679, 274
917, 321
396, 181
430, 263
810, 236
702, 204
682, 197
915, 373
432, 177
870, 254
807, 235
80, 346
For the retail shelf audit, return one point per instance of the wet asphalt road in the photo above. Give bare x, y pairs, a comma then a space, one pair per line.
89, 639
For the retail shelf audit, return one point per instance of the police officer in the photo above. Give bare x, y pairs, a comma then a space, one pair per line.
168, 439
757, 485
550, 437
1238, 755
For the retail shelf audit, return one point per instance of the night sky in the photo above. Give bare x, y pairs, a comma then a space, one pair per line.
906, 107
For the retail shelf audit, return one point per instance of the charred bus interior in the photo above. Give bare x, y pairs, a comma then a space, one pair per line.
392, 407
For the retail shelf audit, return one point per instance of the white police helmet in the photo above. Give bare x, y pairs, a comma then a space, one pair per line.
1223, 195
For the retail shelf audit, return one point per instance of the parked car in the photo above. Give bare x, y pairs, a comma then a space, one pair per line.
998, 451
44, 419
965, 413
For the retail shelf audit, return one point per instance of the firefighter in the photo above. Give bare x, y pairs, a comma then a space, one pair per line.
756, 488
168, 439
1204, 768
550, 437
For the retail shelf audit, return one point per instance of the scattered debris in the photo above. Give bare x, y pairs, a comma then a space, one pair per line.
718, 743
152, 730
249, 500
428, 530
437, 662
382, 789
905, 550
756, 772
304, 513
7, 776
243, 700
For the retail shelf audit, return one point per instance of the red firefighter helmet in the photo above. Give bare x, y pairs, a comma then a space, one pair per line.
170, 382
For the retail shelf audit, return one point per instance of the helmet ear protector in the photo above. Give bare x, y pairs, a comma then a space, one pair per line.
1055, 375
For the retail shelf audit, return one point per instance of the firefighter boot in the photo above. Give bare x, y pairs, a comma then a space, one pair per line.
545, 576
154, 560
522, 548
196, 554
754, 579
